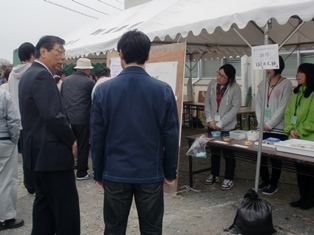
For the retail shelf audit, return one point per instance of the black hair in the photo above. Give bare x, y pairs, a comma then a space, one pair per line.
48, 43
60, 72
281, 66
102, 71
25, 51
6, 73
57, 79
308, 70
135, 46
92, 76
229, 71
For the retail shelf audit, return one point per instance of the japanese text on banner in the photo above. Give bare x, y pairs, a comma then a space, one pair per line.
265, 57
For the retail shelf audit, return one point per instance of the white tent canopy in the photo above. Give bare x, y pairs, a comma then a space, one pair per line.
209, 27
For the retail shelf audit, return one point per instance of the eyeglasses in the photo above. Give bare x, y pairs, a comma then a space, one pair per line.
220, 75
60, 52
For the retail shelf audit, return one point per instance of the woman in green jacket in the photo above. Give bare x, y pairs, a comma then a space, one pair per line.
299, 124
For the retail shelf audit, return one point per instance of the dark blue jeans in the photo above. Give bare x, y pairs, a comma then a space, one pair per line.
275, 163
149, 200
229, 159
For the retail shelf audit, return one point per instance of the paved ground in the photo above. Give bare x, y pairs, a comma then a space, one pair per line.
203, 212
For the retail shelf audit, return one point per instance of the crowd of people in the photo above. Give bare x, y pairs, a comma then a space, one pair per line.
50, 116
130, 125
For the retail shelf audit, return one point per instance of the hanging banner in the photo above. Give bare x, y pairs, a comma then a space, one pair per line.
265, 57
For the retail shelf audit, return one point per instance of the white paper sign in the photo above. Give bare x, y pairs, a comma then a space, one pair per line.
164, 71
265, 57
115, 66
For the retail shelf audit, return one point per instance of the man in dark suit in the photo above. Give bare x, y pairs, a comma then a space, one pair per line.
48, 142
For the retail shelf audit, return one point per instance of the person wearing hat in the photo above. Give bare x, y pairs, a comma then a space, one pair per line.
278, 92
222, 103
76, 92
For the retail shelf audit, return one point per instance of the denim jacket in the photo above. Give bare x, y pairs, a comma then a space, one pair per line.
134, 129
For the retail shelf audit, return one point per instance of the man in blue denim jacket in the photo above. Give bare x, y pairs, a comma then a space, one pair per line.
134, 140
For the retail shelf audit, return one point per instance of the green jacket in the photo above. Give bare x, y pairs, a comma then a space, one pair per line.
305, 115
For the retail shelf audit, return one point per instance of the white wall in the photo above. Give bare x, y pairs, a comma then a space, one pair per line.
248, 78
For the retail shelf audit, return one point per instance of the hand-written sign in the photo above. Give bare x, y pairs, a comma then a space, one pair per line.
164, 71
115, 66
265, 57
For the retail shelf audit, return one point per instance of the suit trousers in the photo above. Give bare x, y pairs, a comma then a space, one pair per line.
82, 134
28, 175
56, 206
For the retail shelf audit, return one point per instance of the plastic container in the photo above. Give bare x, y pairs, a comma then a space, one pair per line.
238, 135
272, 140
216, 133
297, 146
252, 135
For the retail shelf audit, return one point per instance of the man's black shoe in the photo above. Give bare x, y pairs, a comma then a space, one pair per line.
11, 223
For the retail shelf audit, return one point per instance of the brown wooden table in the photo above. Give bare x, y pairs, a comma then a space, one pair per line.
189, 107
248, 154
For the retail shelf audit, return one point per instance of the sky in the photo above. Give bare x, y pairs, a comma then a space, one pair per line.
28, 20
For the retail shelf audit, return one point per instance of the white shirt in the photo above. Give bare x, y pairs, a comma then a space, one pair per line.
99, 81
5, 86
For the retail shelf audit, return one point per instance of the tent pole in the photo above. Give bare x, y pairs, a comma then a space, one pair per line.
261, 123
235, 30
189, 85
291, 34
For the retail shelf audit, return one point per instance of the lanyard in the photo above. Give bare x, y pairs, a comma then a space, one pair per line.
270, 91
219, 94
297, 103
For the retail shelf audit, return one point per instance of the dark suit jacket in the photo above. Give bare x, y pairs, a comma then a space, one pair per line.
47, 136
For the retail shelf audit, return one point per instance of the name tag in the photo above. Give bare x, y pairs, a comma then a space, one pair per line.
217, 118
293, 120
267, 113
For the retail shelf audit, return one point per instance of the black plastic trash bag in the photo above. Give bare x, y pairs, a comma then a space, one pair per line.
254, 216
